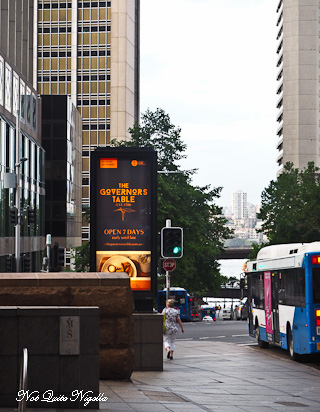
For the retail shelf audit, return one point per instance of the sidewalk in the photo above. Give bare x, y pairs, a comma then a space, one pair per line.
211, 376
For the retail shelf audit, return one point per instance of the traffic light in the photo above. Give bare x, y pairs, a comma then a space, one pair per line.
171, 242
10, 263
13, 215
61, 251
57, 260
31, 216
26, 264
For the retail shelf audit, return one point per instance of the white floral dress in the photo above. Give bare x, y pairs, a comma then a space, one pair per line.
171, 320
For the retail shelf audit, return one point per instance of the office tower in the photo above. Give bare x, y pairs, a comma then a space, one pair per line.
298, 82
239, 205
21, 171
16, 34
89, 50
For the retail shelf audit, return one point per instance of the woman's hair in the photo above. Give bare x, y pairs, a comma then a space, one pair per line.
170, 303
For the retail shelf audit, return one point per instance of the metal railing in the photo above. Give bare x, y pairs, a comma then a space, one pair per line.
23, 383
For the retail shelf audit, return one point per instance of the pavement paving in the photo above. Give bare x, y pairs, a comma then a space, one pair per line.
214, 376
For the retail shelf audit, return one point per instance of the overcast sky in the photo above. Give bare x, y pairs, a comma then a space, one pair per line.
211, 65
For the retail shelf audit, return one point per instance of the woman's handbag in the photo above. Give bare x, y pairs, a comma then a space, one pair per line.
164, 319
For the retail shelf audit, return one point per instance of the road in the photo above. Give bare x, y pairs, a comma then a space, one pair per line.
230, 331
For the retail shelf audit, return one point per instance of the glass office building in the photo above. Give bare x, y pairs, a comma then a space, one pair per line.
61, 139
18, 98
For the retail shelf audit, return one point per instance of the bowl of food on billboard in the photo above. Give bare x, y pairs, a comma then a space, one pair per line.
137, 265
120, 264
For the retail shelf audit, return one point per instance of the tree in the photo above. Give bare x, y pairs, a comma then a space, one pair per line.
81, 257
290, 207
190, 207
81, 254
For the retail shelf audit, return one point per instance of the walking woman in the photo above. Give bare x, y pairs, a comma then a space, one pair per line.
171, 320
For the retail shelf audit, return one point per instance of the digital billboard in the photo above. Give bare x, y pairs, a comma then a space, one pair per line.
123, 214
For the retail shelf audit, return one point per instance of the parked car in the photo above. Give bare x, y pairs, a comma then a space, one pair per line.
241, 311
227, 314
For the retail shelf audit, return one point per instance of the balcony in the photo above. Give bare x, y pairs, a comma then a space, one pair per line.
280, 117
280, 130
279, 146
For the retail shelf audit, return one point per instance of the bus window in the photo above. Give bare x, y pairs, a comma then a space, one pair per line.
257, 289
294, 285
316, 284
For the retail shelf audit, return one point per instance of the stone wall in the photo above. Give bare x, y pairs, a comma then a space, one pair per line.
148, 338
111, 293
59, 363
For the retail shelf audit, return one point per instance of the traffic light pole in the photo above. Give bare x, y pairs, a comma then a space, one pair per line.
168, 224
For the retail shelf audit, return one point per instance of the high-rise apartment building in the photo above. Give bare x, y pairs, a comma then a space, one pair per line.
90, 51
239, 205
298, 62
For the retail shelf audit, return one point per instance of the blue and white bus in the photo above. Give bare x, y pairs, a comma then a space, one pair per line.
181, 302
284, 297
208, 310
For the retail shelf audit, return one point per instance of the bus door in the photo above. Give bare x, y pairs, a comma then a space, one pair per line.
275, 287
268, 305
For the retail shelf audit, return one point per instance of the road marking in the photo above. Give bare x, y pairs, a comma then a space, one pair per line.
235, 336
217, 337
207, 337
186, 339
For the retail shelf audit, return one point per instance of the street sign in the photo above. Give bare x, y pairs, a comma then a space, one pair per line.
169, 265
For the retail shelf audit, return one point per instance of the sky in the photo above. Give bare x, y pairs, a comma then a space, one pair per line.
211, 65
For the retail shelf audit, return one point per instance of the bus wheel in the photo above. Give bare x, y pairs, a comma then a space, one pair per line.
261, 343
293, 355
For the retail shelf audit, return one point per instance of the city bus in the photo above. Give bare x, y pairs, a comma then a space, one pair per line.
181, 302
284, 298
208, 310
195, 308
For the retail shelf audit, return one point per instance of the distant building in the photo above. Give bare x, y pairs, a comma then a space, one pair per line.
298, 61
239, 205
243, 221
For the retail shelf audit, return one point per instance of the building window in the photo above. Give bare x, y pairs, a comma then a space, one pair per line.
22, 100
28, 105
8, 88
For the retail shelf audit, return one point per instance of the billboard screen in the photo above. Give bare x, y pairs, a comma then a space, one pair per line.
123, 214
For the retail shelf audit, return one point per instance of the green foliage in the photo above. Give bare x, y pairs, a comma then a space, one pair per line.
291, 206
157, 132
190, 207
256, 247
81, 257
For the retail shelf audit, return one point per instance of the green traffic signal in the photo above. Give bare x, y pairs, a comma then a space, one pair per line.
172, 242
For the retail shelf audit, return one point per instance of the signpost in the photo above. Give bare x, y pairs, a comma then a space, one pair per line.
169, 265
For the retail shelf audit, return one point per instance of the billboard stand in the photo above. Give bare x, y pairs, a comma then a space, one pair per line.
123, 218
